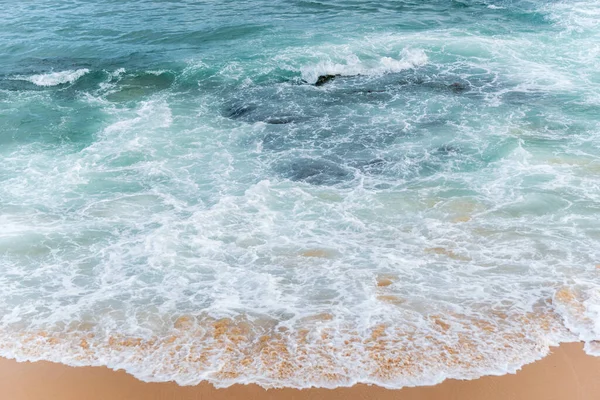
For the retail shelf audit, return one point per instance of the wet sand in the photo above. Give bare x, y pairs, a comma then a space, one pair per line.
567, 374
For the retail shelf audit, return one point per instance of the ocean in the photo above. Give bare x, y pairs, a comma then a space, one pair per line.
299, 193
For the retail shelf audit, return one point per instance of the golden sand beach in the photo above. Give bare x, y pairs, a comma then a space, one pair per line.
566, 374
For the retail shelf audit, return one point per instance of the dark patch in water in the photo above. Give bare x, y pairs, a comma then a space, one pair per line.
458, 87
238, 111
447, 150
315, 171
280, 120
323, 79
251, 113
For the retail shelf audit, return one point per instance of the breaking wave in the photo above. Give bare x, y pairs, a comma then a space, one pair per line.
56, 78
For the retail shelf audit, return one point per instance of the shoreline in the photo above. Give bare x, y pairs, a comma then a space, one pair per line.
566, 374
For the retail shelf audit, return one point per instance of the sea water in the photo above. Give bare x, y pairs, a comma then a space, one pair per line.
180, 200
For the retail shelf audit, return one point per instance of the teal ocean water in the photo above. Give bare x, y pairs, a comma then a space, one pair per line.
299, 193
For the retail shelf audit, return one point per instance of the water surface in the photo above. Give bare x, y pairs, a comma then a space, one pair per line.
180, 200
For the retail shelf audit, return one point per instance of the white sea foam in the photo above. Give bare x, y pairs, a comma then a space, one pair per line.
169, 247
354, 65
118, 72
580, 310
576, 16
57, 78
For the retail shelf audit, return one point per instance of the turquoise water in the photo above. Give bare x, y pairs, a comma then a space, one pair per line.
180, 200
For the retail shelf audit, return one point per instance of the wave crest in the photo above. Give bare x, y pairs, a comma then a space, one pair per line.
57, 78
353, 65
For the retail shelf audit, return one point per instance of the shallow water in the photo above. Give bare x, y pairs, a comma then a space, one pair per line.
178, 199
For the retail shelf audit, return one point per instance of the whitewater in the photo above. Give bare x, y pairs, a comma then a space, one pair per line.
299, 193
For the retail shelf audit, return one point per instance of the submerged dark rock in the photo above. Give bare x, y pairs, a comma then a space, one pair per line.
323, 79
458, 87
447, 150
252, 111
279, 120
238, 111
314, 171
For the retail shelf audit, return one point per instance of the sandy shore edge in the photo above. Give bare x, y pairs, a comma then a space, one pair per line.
566, 374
